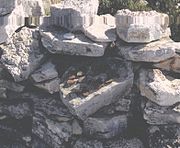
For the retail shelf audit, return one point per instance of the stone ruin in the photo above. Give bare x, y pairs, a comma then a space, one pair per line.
74, 79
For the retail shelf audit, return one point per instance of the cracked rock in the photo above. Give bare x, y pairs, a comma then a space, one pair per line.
159, 88
21, 55
55, 42
153, 52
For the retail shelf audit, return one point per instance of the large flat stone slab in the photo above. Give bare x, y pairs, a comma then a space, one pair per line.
141, 26
102, 29
158, 115
159, 88
56, 43
172, 64
21, 55
74, 14
98, 86
105, 127
153, 52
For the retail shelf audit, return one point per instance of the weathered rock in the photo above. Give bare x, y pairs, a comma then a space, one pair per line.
158, 115
97, 87
73, 15
105, 127
161, 89
163, 136
15, 110
102, 29
172, 64
80, 45
50, 86
152, 52
141, 26
21, 55
9, 24
77, 130
121, 143
47, 71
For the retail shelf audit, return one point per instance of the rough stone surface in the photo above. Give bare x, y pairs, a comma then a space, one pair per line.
21, 55
47, 71
161, 89
80, 45
50, 86
152, 52
141, 27
105, 127
102, 29
122, 143
164, 136
172, 64
73, 14
158, 115
85, 97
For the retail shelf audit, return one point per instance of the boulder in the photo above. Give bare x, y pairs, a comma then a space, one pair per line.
21, 54
105, 127
141, 26
101, 83
73, 14
55, 42
153, 52
171, 64
102, 29
159, 88
158, 115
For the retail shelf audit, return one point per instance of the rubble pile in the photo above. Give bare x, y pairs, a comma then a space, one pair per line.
80, 80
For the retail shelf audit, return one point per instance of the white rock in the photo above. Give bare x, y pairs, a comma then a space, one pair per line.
152, 52
102, 29
161, 89
21, 54
80, 45
47, 71
73, 14
141, 26
158, 115
69, 36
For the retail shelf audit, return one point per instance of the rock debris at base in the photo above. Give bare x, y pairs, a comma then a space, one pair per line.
70, 78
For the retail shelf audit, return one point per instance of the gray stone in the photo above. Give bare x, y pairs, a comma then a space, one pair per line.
21, 55
84, 97
105, 127
47, 71
171, 64
51, 86
161, 89
152, 52
77, 130
141, 26
73, 14
164, 136
102, 29
158, 115
80, 45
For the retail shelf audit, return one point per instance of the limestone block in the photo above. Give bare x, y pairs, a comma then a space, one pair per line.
106, 127
153, 52
102, 29
141, 26
159, 88
55, 42
21, 54
86, 94
172, 64
74, 14
158, 115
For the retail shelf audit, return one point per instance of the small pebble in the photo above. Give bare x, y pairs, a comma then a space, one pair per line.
69, 36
